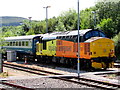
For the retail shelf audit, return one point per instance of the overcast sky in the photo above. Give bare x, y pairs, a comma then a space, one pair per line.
34, 8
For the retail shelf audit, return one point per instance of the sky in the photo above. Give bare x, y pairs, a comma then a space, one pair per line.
34, 8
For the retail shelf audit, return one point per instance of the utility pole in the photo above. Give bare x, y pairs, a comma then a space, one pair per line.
47, 17
1, 62
30, 22
29, 19
94, 18
78, 60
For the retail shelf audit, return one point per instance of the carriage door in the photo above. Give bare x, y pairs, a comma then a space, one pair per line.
35, 40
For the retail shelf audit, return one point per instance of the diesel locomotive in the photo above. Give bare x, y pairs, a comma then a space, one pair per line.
96, 50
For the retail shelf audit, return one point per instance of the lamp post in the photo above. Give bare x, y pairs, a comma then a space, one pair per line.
29, 19
1, 62
78, 60
94, 18
1, 42
30, 22
47, 17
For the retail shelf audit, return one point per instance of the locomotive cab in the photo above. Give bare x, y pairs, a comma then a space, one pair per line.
99, 50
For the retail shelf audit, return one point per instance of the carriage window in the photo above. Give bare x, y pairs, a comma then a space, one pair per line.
10, 43
16, 43
22, 43
7, 43
13, 43
19, 43
26, 44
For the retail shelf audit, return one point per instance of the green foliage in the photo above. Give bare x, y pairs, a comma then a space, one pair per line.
107, 26
30, 32
52, 23
12, 31
1, 41
69, 19
86, 19
117, 44
60, 26
107, 10
4, 74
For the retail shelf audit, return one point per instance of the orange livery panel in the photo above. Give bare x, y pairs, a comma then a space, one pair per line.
65, 49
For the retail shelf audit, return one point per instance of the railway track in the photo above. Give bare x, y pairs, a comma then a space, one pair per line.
13, 86
74, 79
117, 65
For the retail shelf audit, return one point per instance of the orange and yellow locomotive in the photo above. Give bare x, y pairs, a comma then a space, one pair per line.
96, 50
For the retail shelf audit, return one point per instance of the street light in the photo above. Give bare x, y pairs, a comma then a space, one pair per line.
1, 42
78, 60
94, 18
47, 17
29, 19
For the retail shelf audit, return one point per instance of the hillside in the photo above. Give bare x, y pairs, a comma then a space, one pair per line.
11, 20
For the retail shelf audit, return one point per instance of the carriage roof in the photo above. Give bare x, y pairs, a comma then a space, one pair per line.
22, 37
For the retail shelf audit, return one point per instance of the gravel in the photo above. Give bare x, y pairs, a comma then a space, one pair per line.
21, 78
42, 82
46, 83
4, 86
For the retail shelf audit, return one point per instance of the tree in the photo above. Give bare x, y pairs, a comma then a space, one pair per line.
87, 18
109, 9
107, 26
60, 26
30, 32
69, 19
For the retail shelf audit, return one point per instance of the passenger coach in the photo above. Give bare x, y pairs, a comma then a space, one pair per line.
22, 45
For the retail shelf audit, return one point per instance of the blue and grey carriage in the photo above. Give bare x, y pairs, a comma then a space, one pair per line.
24, 46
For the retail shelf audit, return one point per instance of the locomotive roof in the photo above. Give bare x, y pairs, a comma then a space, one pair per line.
22, 37
67, 33
51, 37
75, 32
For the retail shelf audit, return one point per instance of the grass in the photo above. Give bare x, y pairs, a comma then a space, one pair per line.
4, 74
112, 76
